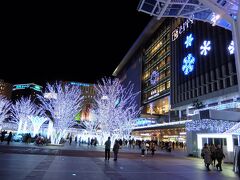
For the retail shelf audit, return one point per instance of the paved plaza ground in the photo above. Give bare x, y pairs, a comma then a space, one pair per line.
25, 162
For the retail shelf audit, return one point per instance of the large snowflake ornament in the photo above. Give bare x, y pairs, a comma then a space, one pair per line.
231, 47
154, 77
188, 41
205, 48
188, 64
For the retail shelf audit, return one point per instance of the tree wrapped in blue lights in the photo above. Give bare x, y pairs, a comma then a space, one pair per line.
62, 109
115, 108
4, 109
21, 111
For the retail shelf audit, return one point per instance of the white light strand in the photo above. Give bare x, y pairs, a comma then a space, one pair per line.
217, 126
235, 129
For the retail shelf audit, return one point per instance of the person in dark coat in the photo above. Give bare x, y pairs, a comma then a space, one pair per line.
213, 154
238, 163
70, 140
206, 154
116, 147
219, 156
3, 135
9, 138
107, 149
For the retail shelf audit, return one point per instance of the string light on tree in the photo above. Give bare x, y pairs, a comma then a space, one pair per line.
63, 109
37, 122
21, 111
4, 109
114, 120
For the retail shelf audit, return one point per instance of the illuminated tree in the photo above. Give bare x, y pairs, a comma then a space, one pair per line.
37, 122
115, 108
62, 108
4, 109
92, 125
21, 111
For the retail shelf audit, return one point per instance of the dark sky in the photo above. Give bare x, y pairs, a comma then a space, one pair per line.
75, 42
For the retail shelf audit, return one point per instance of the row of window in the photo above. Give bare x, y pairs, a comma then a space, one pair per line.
158, 55
212, 86
202, 90
162, 75
164, 36
158, 64
156, 91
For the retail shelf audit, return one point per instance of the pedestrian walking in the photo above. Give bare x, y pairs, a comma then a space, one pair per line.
70, 140
3, 135
143, 148
116, 147
213, 154
219, 156
9, 138
107, 149
206, 154
152, 148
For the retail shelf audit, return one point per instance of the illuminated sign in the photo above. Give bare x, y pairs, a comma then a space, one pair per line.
26, 86
50, 95
79, 84
179, 30
143, 122
36, 87
155, 95
21, 86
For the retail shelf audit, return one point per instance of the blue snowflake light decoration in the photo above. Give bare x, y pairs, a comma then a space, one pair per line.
188, 64
231, 48
188, 41
205, 47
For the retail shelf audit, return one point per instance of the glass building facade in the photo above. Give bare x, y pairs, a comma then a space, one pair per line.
156, 72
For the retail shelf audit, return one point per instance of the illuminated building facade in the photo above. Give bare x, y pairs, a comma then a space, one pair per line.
26, 90
147, 65
88, 92
186, 66
156, 72
5, 89
203, 68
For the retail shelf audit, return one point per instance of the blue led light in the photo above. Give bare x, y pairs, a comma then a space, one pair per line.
188, 64
188, 41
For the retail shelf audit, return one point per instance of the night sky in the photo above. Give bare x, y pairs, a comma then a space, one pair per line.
48, 42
